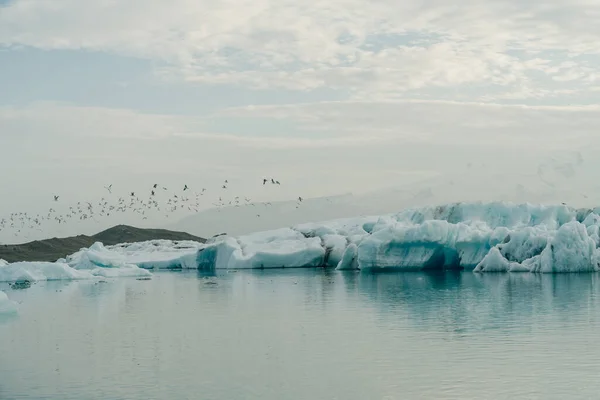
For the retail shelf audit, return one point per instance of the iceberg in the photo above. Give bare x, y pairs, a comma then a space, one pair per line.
122, 260
154, 254
483, 237
281, 248
40, 271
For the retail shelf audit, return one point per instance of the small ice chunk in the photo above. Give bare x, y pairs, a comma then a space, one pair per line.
40, 271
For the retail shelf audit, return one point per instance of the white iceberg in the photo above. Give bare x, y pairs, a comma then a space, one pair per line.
281, 248
484, 237
103, 262
40, 271
154, 254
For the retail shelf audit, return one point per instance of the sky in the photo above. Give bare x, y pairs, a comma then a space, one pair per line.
329, 97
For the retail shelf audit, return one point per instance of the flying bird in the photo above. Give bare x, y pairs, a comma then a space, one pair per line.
109, 188
56, 198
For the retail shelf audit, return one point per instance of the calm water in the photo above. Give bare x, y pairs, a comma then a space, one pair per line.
305, 334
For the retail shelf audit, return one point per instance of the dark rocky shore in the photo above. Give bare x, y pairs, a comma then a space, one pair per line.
55, 248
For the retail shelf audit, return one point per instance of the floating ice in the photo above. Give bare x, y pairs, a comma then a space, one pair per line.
40, 271
281, 248
155, 254
485, 237
6, 306
103, 262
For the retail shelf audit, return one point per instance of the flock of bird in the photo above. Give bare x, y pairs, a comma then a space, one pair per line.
158, 199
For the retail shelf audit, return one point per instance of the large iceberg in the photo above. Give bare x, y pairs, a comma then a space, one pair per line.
484, 237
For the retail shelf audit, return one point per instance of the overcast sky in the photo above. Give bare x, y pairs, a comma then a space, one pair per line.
328, 97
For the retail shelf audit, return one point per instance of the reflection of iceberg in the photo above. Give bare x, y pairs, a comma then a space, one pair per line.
462, 301
484, 237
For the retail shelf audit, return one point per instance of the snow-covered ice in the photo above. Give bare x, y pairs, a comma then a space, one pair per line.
484, 237
41, 271
154, 254
123, 260
279, 248
6, 305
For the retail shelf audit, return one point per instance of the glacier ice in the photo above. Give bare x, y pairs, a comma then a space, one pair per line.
123, 260
102, 262
349, 261
40, 271
6, 306
154, 254
279, 248
483, 237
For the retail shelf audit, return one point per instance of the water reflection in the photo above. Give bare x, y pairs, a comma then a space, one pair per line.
299, 334
460, 301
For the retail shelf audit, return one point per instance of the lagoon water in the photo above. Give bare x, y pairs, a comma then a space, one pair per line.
305, 334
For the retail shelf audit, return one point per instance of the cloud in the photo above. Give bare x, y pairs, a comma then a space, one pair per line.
536, 129
390, 135
372, 50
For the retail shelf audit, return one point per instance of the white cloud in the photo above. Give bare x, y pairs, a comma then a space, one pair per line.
373, 50
538, 128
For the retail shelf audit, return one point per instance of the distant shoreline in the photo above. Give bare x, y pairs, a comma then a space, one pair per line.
51, 250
